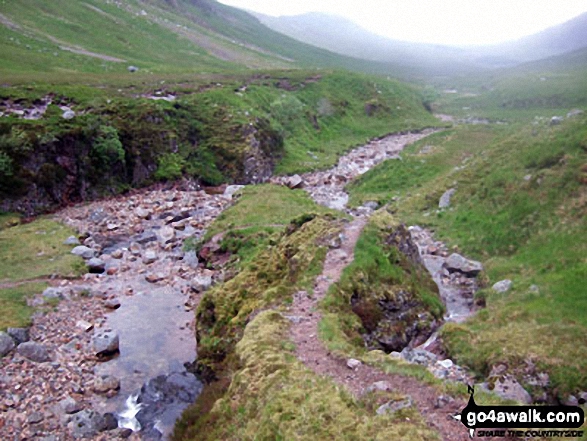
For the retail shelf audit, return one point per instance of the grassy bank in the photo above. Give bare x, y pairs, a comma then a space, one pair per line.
236, 130
28, 252
520, 207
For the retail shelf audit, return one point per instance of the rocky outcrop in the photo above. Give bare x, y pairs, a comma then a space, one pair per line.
393, 312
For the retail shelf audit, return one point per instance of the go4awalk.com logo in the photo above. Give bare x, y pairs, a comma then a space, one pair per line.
516, 421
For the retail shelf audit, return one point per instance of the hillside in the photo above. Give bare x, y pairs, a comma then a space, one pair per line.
103, 37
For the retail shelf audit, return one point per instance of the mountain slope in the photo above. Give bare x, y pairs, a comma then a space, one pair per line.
155, 35
564, 38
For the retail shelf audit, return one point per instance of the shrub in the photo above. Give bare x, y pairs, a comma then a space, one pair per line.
107, 148
170, 167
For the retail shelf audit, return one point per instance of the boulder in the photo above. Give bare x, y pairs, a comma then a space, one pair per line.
418, 356
154, 277
72, 241
446, 197
84, 325
456, 262
106, 343
145, 237
6, 344
191, 259
142, 213
166, 234
96, 266
19, 335
70, 406
503, 286
132, 69
508, 387
52, 293
117, 254
33, 351
201, 283
68, 114
446, 364
112, 303
35, 418
83, 251
294, 181
108, 423
232, 189
556, 120
106, 383
85, 424
383, 386
394, 406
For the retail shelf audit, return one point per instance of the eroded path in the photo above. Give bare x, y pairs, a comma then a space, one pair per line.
327, 188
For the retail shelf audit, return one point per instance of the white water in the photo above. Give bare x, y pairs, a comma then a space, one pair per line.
127, 418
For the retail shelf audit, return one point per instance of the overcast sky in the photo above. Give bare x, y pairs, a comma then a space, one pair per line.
456, 22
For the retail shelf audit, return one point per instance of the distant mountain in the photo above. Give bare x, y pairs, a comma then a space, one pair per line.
343, 36
564, 38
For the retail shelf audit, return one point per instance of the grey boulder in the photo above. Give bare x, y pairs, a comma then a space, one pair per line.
394, 406
33, 351
446, 197
19, 335
96, 266
83, 251
503, 286
456, 262
6, 344
106, 343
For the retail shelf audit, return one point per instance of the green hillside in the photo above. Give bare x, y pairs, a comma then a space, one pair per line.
199, 37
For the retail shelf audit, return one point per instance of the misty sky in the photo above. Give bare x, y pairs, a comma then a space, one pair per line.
456, 22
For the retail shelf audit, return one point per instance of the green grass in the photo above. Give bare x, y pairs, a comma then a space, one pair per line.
267, 205
15, 311
31, 251
520, 207
8, 220
345, 123
35, 250
540, 89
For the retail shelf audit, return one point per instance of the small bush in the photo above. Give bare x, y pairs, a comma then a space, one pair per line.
170, 167
107, 148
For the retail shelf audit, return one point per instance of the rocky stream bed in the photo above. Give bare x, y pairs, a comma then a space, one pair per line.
108, 361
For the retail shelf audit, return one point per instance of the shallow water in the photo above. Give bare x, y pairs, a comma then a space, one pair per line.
156, 338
